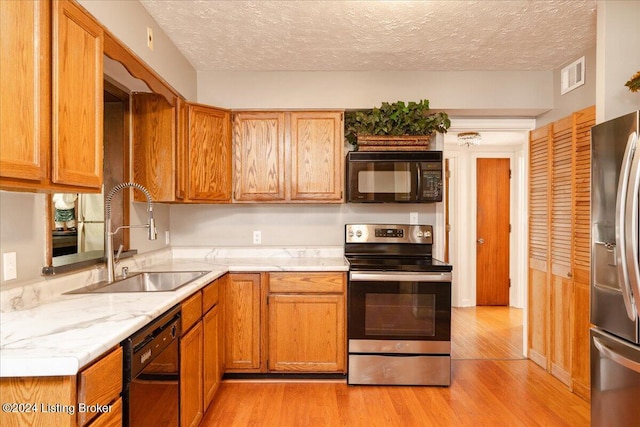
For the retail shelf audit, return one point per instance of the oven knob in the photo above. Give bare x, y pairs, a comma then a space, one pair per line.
420, 234
350, 234
427, 234
359, 233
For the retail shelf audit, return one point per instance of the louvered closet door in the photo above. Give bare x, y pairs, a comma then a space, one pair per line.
561, 237
583, 121
539, 185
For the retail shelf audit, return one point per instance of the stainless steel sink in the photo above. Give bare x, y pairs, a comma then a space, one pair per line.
153, 281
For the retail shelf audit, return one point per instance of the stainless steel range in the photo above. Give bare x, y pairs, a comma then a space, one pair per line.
399, 306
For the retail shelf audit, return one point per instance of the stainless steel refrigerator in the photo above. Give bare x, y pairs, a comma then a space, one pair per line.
90, 222
615, 276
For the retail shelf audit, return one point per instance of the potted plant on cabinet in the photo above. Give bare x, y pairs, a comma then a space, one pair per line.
396, 126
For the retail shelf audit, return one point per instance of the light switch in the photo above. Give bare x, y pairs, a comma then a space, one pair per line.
9, 264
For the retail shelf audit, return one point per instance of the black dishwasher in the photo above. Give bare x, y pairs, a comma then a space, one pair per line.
151, 395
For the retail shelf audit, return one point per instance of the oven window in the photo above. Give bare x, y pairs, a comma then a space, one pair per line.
404, 314
382, 181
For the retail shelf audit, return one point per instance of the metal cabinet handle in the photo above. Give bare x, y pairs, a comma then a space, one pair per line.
480, 241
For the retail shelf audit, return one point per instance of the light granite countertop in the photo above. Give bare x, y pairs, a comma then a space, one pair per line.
44, 332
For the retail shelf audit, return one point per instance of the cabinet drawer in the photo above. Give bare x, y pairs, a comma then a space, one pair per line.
210, 296
322, 282
191, 311
113, 418
100, 384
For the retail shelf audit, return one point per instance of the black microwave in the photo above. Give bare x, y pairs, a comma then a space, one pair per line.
394, 176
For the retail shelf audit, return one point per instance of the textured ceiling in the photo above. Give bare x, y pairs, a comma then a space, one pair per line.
377, 35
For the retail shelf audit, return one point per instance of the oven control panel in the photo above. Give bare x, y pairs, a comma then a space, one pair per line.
388, 233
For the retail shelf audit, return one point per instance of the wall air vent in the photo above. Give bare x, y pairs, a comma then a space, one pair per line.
572, 76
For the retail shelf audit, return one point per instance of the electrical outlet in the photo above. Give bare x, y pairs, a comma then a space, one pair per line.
413, 218
9, 263
167, 238
150, 38
257, 237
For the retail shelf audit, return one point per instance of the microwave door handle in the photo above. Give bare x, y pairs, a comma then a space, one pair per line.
621, 246
418, 182
631, 226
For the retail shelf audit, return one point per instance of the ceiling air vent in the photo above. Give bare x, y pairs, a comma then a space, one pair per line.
572, 76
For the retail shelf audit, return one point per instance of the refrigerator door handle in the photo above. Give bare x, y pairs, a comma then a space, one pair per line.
631, 226
621, 203
612, 355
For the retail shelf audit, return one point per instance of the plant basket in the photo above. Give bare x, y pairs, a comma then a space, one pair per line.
394, 143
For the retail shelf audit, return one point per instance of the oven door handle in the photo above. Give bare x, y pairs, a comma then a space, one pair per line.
399, 277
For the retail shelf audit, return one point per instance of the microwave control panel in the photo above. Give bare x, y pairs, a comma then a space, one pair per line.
431, 185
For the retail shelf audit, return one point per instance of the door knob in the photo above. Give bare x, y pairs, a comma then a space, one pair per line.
480, 241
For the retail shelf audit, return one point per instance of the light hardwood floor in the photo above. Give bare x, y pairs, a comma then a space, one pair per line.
486, 333
492, 385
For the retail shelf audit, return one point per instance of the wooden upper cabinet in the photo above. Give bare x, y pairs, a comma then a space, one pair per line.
259, 151
153, 145
288, 156
316, 156
25, 55
77, 97
209, 154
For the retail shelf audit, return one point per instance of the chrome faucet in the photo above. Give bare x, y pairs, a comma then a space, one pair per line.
108, 234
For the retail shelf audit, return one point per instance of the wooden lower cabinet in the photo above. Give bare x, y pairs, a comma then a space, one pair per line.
306, 333
212, 368
201, 362
285, 322
57, 399
307, 322
242, 330
191, 377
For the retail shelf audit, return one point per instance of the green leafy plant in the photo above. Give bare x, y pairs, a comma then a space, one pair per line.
634, 82
398, 118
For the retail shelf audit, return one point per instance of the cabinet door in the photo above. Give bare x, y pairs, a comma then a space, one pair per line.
154, 158
211, 355
580, 367
77, 76
191, 398
539, 174
316, 156
24, 90
242, 323
209, 154
259, 153
561, 249
306, 333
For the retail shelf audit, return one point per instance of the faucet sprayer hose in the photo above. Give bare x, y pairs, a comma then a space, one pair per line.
122, 186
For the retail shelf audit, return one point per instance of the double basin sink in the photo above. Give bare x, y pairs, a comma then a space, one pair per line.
153, 281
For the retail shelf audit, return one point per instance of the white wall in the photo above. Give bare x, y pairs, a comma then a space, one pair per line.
582, 97
618, 58
22, 230
128, 21
283, 225
523, 93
